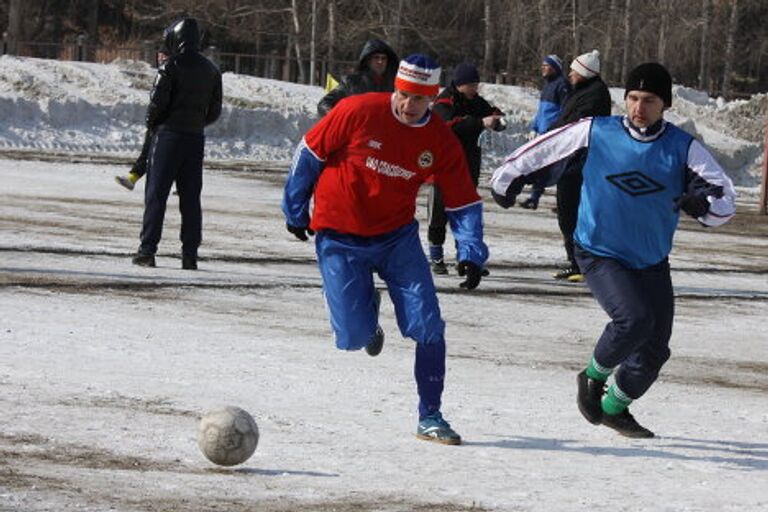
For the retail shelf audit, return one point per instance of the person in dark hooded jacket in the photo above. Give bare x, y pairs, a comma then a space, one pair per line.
376, 72
468, 114
186, 97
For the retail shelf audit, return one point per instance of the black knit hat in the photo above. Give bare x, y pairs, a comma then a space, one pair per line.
465, 73
651, 77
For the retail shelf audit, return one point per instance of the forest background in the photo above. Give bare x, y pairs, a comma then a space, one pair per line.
719, 46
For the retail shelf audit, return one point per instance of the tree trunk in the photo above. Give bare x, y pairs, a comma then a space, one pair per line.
733, 26
331, 35
661, 48
627, 46
575, 27
703, 46
14, 27
312, 54
296, 41
607, 57
488, 57
544, 22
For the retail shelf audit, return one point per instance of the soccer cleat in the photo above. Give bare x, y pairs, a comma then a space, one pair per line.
376, 344
188, 263
625, 424
529, 204
566, 273
589, 397
144, 260
439, 267
434, 428
576, 278
125, 181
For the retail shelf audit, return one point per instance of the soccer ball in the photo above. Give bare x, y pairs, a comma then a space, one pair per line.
227, 436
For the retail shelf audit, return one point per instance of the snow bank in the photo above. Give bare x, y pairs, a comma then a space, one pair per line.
96, 108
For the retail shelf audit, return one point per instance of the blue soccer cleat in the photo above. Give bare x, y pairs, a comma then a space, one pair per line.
435, 428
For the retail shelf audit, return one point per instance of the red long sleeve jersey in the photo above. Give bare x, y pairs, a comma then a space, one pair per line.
375, 164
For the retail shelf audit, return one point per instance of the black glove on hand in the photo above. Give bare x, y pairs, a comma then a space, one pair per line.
299, 232
694, 205
473, 273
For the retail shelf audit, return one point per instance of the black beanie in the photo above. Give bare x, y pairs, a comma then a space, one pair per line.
651, 77
465, 73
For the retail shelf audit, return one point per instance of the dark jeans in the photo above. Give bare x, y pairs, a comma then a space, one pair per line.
568, 197
174, 157
641, 306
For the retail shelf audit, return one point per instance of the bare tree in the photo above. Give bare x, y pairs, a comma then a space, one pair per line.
627, 41
733, 26
703, 46
296, 42
14, 27
607, 50
490, 47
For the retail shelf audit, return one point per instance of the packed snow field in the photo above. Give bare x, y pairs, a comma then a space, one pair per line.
105, 368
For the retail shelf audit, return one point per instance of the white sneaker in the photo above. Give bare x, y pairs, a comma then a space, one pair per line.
124, 181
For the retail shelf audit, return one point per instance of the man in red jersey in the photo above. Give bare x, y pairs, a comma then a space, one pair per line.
364, 163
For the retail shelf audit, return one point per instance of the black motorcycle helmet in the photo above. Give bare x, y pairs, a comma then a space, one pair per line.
183, 34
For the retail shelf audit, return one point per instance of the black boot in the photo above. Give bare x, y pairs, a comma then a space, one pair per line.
626, 425
188, 263
589, 397
144, 260
376, 344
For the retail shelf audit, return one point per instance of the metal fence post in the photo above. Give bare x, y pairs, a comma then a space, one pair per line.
81, 47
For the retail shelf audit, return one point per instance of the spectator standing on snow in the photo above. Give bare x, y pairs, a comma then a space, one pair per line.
139, 167
639, 171
468, 114
375, 73
185, 99
364, 164
553, 95
589, 97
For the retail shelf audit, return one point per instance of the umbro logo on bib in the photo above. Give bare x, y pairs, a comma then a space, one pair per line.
635, 183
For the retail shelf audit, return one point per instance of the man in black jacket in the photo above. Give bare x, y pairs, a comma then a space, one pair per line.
589, 97
186, 97
468, 114
375, 73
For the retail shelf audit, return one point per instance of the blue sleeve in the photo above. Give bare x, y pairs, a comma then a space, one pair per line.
305, 171
467, 228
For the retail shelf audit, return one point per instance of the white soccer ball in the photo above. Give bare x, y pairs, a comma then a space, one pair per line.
227, 436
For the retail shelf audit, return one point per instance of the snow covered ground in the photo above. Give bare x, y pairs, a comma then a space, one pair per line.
106, 367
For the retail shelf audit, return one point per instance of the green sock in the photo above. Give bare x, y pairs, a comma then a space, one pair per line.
615, 401
598, 372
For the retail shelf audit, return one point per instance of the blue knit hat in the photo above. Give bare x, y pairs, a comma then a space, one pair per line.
554, 61
465, 73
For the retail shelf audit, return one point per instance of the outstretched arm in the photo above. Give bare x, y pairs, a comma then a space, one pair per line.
305, 171
508, 180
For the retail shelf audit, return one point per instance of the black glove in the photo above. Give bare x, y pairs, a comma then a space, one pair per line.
694, 205
473, 273
299, 232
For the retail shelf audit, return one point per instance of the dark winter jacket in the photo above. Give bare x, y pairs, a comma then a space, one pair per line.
363, 80
553, 96
187, 93
465, 117
589, 98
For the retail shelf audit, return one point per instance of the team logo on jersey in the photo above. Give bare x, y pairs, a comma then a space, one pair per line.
426, 159
374, 144
635, 183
